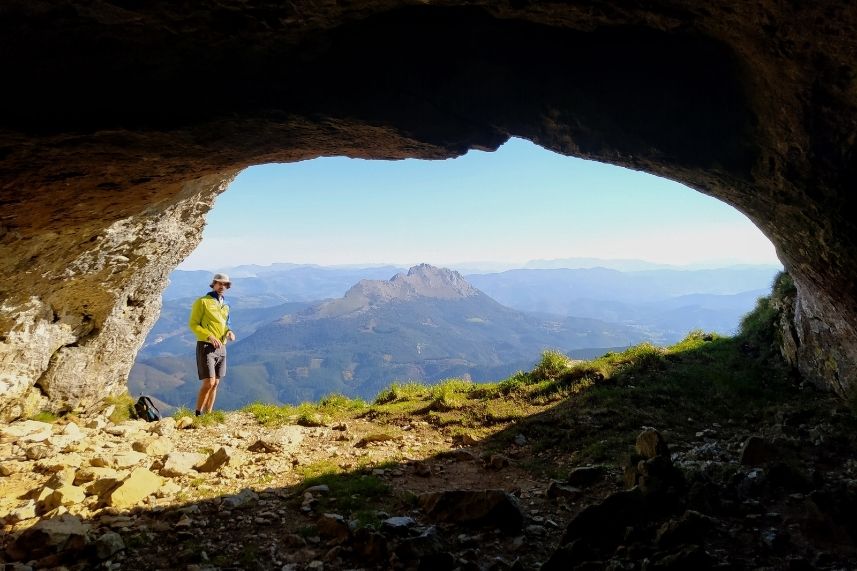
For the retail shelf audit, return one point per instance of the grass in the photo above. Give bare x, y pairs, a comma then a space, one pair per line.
206, 419
123, 407
45, 416
350, 492
330, 409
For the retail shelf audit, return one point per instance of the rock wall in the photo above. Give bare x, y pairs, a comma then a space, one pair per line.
119, 108
71, 335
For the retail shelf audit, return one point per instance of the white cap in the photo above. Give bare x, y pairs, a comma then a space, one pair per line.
221, 278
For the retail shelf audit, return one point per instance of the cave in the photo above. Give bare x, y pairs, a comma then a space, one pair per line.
124, 120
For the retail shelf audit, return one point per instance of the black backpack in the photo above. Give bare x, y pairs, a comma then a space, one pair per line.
146, 409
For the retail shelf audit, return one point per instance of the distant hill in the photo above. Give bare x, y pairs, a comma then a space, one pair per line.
666, 303
428, 324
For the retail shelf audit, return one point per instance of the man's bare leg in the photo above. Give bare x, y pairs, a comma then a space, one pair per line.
205, 389
212, 394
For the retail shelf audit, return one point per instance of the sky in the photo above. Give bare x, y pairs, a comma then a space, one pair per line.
516, 204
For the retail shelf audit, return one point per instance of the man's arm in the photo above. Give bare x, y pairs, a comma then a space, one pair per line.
195, 320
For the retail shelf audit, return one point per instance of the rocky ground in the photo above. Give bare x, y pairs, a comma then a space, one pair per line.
759, 485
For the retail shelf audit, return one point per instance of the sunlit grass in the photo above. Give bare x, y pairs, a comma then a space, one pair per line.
331, 408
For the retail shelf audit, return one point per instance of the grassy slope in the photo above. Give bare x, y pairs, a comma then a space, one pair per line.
592, 409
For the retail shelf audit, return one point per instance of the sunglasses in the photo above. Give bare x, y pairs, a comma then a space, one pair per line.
227, 285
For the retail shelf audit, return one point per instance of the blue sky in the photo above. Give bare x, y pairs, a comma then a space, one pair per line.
516, 204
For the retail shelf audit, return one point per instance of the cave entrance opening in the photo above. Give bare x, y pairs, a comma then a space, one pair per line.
565, 242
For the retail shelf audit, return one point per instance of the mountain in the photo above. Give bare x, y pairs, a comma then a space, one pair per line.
428, 324
665, 303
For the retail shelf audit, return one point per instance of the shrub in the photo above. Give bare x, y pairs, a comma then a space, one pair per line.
401, 392
123, 407
552, 366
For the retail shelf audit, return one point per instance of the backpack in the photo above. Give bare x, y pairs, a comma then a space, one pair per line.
146, 409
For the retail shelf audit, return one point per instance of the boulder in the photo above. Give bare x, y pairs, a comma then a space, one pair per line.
63, 496
557, 490
153, 446
64, 477
478, 507
127, 459
757, 451
66, 534
164, 427
224, 456
133, 489
242, 499
584, 476
180, 463
333, 527
108, 545
650, 444
91, 473
26, 431
21, 513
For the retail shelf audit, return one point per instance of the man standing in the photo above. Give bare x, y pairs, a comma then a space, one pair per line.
209, 321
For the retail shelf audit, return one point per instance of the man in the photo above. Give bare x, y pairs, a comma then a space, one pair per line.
209, 321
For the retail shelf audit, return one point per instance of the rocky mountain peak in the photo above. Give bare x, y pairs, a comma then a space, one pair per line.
422, 281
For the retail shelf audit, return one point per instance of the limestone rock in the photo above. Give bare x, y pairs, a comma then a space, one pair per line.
650, 444
133, 489
91, 473
224, 456
21, 513
242, 499
108, 545
58, 462
39, 451
488, 507
64, 477
104, 483
66, 534
263, 445
153, 446
184, 422
288, 438
757, 451
67, 495
26, 431
164, 427
168, 489
128, 459
583, 476
333, 527
180, 463
557, 490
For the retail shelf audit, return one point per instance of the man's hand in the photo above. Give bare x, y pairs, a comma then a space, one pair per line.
230, 335
215, 341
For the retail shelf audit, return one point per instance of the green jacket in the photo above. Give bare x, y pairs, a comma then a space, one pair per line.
209, 316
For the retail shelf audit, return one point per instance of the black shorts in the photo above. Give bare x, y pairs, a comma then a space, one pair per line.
210, 362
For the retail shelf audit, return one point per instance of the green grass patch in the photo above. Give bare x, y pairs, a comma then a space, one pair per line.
210, 418
123, 407
402, 392
329, 409
45, 416
350, 492
183, 411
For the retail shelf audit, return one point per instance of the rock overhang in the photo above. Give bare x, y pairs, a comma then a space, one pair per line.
127, 120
